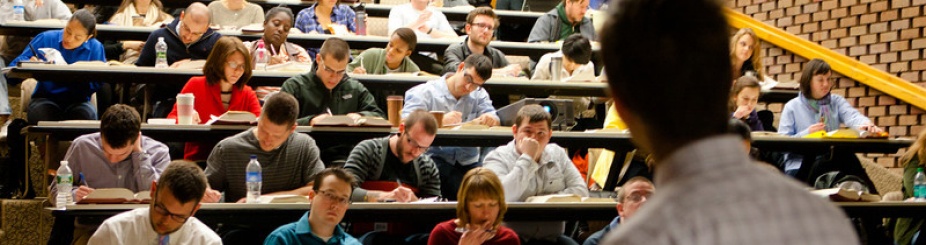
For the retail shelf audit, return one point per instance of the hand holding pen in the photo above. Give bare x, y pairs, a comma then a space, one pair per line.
83, 190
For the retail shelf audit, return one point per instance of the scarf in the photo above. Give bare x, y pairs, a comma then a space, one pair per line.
824, 109
126, 17
567, 28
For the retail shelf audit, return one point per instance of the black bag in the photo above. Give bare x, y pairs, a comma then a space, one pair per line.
13, 170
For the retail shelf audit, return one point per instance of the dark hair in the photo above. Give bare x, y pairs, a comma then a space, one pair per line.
694, 80
812, 68
226, 46
279, 9
622, 192
482, 64
86, 19
425, 118
338, 173
487, 11
281, 109
185, 180
577, 48
738, 127
533, 113
408, 36
336, 47
738, 86
119, 125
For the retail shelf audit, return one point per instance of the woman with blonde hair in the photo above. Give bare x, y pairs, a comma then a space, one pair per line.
915, 157
480, 209
744, 54
140, 13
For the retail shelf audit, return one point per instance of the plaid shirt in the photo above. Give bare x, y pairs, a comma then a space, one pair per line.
342, 14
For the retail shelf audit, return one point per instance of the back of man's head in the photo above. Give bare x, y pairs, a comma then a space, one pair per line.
185, 180
120, 125
670, 55
336, 48
281, 109
577, 48
482, 63
337, 172
424, 118
533, 113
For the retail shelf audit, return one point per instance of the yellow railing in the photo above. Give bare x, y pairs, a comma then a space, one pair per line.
850, 67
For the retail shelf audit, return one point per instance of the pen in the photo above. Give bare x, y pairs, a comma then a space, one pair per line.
329, 111
37, 54
83, 181
398, 182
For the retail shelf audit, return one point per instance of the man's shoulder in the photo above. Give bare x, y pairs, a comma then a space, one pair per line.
301, 140
128, 217
201, 233
91, 139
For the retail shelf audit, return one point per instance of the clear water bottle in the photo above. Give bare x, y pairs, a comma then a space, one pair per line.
161, 50
64, 181
253, 180
260, 56
919, 185
361, 20
19, 10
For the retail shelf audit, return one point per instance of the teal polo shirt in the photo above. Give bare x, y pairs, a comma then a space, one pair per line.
300, 232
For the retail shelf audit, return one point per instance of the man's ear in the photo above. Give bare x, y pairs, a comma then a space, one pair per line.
154, 187
311, 194
401, 128
620, 209
514, 129
460, 67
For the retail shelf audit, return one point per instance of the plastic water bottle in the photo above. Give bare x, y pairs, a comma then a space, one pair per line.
161, 50
361, 19
253, 180
260, 56
19, 10
64, 180
919, 185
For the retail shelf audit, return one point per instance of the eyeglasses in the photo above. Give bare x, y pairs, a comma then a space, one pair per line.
335, 198
639, 197
485, 26
235, 65
415, 144
179, 218
538, 133
471, 82
338, 73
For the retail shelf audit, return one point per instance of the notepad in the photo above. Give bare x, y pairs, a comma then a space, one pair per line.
234, 118
844, 195
116, 196
343, 120
283, 199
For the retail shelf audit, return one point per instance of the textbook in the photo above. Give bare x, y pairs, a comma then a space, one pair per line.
283, 199
844, 195
344, 120
234, 118
566, 198
116, 196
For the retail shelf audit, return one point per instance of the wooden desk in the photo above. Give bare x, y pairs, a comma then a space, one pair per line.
129, 74
305, 40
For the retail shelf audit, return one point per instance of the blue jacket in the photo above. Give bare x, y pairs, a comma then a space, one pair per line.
176, 50
64, 92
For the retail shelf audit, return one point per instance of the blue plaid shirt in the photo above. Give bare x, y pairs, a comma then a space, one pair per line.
341, 14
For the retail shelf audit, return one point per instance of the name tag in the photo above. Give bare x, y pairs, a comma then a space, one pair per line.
347, 96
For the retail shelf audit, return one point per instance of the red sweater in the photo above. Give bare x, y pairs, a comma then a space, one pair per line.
445, 233
208, 101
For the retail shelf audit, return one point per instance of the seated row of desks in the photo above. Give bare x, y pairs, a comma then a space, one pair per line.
128, 74
374, 10
113, 32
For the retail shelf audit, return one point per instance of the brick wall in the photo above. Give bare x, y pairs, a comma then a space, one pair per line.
886, 34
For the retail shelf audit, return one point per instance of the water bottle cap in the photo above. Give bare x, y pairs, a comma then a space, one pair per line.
64, 162
253, 157
160, 39
919, 169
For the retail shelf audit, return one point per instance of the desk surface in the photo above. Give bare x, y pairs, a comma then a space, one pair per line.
305, 40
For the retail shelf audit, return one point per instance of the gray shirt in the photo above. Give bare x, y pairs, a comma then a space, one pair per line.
711, 193
288, 167
367, 162
135, 173
222, 16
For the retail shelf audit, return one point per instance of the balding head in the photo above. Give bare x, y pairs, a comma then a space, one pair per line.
194, 22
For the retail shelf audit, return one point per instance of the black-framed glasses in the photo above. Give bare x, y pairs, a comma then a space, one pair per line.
484, 26
327, 69
472, 82
415, 144
334, 198
179, 218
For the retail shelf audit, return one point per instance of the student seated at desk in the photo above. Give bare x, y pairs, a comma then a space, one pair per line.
278, 22
288, 159
743, 99
461, 97
222, 89
480, 27
529, 166
234, 14
908, 228
326, 17
816, 109
576, 54
630, 197
141, 13
427, 22
116, 157
330, 199
397, 158
480, 208
175, 198
745, 54
566, 19
393, 59
56, 101
327, 91
188, 38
